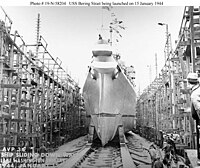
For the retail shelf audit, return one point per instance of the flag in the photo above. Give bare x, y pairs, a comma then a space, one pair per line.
122, 27
106, 7
115, 30
112, 14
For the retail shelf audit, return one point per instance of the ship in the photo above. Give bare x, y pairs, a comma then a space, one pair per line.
109, 93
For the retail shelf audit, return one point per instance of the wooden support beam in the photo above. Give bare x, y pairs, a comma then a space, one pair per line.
13, 86
192, 38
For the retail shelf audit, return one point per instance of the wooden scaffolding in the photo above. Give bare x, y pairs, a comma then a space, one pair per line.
165, 104
39, 101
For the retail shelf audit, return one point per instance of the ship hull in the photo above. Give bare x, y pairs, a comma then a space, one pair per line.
109, 102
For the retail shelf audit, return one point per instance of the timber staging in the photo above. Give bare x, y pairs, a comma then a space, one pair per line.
39, 101
165, 103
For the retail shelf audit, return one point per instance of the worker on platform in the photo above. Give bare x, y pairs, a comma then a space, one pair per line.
193, 82
153, 154
161, 139
158, 163
173, 146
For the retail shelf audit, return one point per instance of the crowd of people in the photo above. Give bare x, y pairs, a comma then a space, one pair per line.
169, 147
170, 151
170, 158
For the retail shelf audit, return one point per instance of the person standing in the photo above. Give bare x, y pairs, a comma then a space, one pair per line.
158, 163
195, 104
167, 158
195, 95
153, 154
42, 152
161, 139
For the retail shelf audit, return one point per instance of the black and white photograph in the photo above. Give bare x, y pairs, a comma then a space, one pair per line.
94, 84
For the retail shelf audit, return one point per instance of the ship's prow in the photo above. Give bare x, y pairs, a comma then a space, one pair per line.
109, 97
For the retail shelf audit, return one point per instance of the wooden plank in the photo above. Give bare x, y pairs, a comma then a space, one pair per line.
196, 21
25, 100
192, 21
26, 108
126, 157
15, 86
174, 59
196, 35
17, 133
26, 85
18, 120
75, 158
3, 103
9, 69
4, 135
186, 43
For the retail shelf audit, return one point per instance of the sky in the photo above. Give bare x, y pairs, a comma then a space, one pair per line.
72, 31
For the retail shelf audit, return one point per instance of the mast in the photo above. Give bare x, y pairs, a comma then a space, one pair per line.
156, 65
114, 27
37, 37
